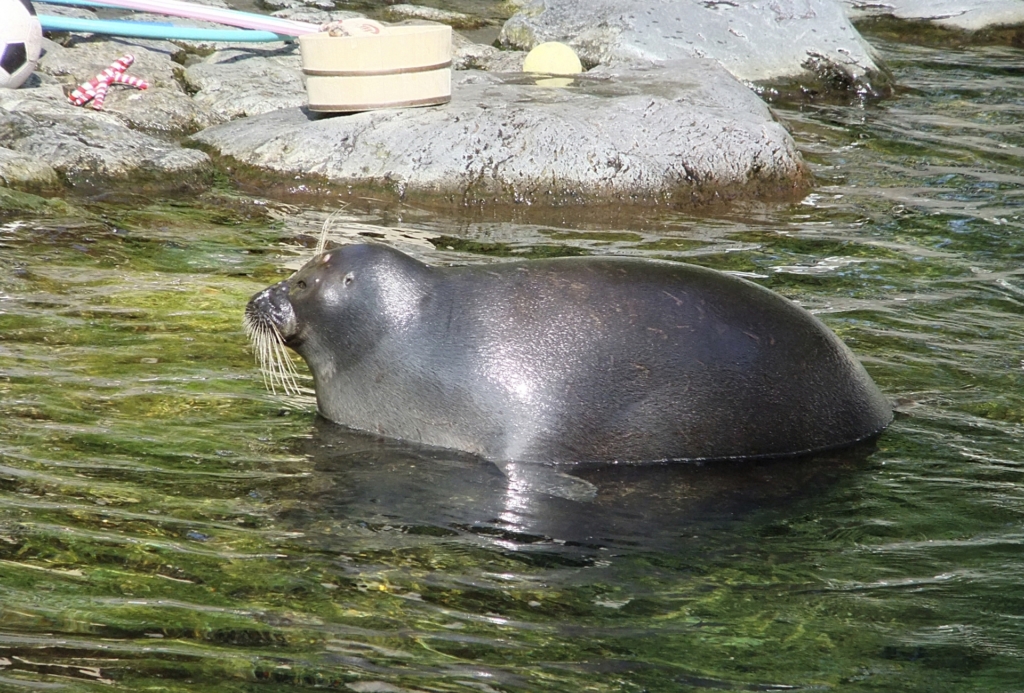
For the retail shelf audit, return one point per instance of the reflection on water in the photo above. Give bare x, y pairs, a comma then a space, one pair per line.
641, 507
166, 524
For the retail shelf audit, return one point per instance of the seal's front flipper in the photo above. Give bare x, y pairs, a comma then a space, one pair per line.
532, 478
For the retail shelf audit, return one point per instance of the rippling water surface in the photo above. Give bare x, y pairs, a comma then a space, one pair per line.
165, 524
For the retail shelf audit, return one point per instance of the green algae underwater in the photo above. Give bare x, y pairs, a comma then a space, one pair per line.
167, 524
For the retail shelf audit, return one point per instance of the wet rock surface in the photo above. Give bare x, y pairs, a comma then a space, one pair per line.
649, 123
469, 55
809, 40
681, 133
247, 81
163, 107
23, 171
83, 144
963, 15
457, 20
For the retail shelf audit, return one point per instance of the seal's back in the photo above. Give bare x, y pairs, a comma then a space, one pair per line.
629, 360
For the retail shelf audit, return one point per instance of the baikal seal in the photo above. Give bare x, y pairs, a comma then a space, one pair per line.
570, 360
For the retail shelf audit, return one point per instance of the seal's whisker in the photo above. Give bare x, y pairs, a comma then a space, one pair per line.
254, 332
274, 362
321, 243
287, 373
266, 357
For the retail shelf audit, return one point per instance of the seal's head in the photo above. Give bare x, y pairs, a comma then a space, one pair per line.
332, 311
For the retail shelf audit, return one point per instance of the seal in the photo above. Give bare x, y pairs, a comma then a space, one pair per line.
570, 360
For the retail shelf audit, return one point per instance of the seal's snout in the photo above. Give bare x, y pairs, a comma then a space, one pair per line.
271, 308
270, 323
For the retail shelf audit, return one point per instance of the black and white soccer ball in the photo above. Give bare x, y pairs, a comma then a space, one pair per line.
21, 42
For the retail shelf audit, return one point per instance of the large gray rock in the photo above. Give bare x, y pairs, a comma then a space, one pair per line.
685, 132
279, 5
457, 20
965, 15
248, 81
757, 41
80, 143
469, 55
23, 171
313, 15
163, 107
232, 80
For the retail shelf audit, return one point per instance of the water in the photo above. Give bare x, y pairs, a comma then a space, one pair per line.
166, 524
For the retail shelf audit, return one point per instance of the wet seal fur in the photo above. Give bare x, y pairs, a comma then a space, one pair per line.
578, 360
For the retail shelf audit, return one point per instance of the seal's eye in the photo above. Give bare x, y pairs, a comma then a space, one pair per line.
300, 284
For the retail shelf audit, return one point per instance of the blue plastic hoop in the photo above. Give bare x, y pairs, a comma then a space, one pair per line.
155, 30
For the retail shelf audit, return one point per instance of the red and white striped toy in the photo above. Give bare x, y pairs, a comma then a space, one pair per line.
96, 89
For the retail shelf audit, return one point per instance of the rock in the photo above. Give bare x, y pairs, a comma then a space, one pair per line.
17, 201
83, 144
964, 15
163, 107
295, 4
64, 11
248, 81
179, 49
159, 110
22, 171
467, 55
504, 61
82, 59
637, 128
760, 42
314, 15
685, 133
457, 20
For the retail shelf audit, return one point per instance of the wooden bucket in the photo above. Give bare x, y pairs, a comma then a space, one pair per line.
399, 67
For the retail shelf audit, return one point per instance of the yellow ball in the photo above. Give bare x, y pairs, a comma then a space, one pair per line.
552, 58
